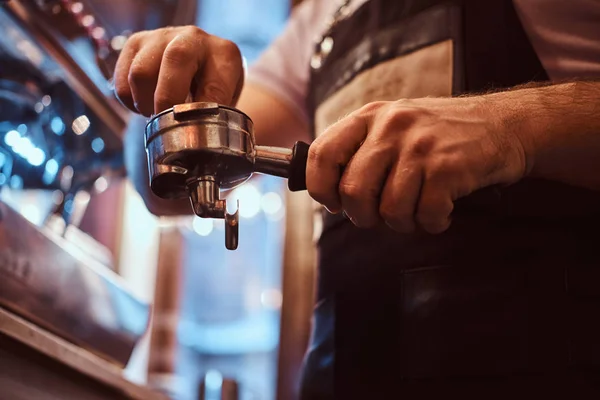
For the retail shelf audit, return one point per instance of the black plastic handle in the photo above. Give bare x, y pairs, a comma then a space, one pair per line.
297, 176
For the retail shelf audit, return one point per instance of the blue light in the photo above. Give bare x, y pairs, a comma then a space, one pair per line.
57, 125
22, 129
52, 166
2, 159
68, 206
16, 182
23, 147
36, 157
213, 380
50, 171
98, 145
2, 179
12, 138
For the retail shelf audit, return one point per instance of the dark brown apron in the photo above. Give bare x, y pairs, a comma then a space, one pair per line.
505, 302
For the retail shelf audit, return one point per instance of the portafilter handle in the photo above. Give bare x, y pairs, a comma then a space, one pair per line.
297, 172
285, 163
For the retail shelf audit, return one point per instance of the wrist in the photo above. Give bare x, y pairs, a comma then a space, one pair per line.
509, 129
521, 118
556, 125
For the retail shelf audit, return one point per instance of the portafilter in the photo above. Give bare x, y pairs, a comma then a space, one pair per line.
195, 150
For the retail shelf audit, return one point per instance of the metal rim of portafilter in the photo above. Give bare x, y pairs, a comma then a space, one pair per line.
195, 150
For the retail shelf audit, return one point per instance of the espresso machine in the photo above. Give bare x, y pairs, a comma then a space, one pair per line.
61, 134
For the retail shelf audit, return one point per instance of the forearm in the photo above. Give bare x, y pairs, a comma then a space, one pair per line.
275, 124
559, 126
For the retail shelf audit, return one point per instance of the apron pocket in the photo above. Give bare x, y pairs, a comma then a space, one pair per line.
484, 320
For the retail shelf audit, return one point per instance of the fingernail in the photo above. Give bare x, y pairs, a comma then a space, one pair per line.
330, 211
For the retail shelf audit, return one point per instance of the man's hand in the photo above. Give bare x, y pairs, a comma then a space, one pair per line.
405, 162
159, 69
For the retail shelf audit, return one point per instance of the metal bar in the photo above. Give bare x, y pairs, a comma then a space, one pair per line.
299, 262
109, 110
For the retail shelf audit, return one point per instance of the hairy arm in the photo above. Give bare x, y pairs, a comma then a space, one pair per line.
559, 126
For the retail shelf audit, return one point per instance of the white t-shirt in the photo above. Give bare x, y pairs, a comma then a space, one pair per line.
564, 33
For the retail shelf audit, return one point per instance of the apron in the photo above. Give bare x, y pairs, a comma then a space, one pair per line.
505, 301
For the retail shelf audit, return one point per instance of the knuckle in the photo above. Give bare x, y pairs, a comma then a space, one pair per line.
318, 153
351, 120
421, 146
180, 50
398, 117
404, 116
228, 48
371, 107
193, 31
136, 38
139, 73
381, 146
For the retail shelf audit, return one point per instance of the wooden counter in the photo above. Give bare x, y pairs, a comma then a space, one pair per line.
36, 365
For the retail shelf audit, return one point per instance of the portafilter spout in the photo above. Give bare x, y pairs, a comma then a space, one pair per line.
197, 149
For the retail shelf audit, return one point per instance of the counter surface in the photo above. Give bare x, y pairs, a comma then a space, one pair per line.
35, 364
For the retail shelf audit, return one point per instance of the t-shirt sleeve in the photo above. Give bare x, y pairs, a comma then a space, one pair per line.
283, 68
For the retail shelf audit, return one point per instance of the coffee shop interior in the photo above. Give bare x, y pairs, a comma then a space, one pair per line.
99, 298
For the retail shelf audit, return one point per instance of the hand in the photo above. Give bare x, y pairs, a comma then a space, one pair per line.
406, 162
159, 69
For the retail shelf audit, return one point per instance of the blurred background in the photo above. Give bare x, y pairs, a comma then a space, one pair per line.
199, 318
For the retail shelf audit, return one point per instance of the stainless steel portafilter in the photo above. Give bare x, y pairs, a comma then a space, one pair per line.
196, 149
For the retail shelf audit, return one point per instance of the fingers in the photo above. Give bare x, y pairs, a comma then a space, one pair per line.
361, 183
434, 208
159, 69
400, 196
122, 67
182, 60
327, 157
143, 75
418, 196
436, 201
383, 175
222, 75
